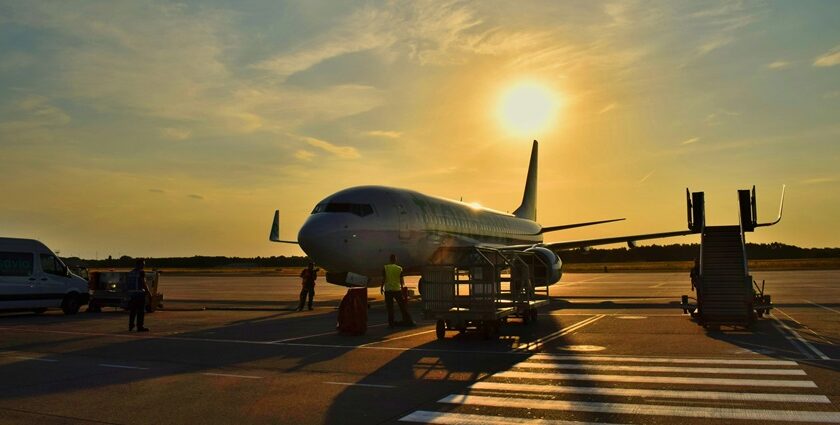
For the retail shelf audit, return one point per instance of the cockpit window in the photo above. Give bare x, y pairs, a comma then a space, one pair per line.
360, 210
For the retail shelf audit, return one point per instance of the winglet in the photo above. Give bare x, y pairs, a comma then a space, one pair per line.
528, 208
781, 207
274, 236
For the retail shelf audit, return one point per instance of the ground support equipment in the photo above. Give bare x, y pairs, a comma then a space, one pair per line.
481, 290
110, 289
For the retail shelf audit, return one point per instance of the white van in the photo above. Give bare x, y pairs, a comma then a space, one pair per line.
33, 278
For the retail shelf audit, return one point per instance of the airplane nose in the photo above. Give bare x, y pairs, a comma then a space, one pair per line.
320, 238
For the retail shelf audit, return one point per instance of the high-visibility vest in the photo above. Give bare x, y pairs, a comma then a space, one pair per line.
392, 277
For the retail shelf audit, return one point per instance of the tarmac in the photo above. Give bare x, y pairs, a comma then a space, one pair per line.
609, 348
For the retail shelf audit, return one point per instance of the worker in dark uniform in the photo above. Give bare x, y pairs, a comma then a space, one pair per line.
137, 290
392, 285
307, 283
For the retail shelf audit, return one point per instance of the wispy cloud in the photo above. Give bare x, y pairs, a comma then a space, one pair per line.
779, 64
713, 45
647, 176
385, 133
304, 155
346, 152
719, 117
172, 133
831, 94
608, 108
157, 191
195, 196
829, 58
820, 180
690, 141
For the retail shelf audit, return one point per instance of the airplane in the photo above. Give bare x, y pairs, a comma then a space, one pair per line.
352, 233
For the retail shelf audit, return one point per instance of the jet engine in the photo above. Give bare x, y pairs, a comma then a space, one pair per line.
555, 266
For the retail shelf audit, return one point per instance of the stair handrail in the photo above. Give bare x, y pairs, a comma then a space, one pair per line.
781, 206
742, 236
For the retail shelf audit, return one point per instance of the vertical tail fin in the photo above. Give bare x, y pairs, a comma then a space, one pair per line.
528, 208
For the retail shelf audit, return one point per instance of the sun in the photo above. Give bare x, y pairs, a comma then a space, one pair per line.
528, 108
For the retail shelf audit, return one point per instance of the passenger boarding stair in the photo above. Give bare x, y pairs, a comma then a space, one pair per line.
725, 288
725, 291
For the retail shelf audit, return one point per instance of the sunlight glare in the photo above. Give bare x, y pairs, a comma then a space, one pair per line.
528, 108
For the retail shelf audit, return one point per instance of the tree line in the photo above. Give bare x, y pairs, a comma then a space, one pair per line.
676, 252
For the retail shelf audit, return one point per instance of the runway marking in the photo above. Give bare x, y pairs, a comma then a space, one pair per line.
332, 332
800, 339
614, 314
562, 332
447, 418
37, 359
659, 379
628, 392
631, 317
396, 338
646, 409
119, 366
665, 360
662, 369
580, 281
229, 375
356, 384
822, 306
659, 285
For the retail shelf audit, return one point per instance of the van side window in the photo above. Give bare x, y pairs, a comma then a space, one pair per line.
16, 264
51, 265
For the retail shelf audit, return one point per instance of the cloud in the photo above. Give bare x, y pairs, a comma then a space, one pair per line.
385, 133
304, 155
820, 180
647, 176
829, 58
719, 117
713, 45
157, 191
690, 141
831, 94
195, 196
608, 108
172, 133
346, 152
778, 65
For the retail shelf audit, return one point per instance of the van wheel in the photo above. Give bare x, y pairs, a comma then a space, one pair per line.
70, 305
39, 310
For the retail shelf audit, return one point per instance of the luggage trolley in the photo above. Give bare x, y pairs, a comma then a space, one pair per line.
470, 295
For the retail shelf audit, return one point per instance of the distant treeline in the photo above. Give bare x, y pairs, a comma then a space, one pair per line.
688, 252
197, 262
678, 252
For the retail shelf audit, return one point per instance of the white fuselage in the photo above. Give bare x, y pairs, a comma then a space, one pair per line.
357, 229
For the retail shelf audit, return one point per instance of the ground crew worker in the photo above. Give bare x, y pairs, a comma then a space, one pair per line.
307, 283
392, 286
137, 290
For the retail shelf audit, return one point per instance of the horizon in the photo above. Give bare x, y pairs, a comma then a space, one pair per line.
161, 129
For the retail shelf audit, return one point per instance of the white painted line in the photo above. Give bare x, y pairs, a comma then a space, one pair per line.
333, 332
800, 339
822, 306
447, 418
805, 327
661, 369
757, 362
396, 338
562, 332
629, 392
352, 384
658, 285
229, 375
37, 359
646, 409
658, 379
119, 366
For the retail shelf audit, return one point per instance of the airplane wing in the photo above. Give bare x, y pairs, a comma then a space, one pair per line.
274, 236
585, 243
630, 240
572, 226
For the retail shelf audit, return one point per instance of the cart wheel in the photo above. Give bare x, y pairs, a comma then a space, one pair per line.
440, 329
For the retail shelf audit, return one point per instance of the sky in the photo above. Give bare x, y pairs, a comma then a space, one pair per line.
176, 129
